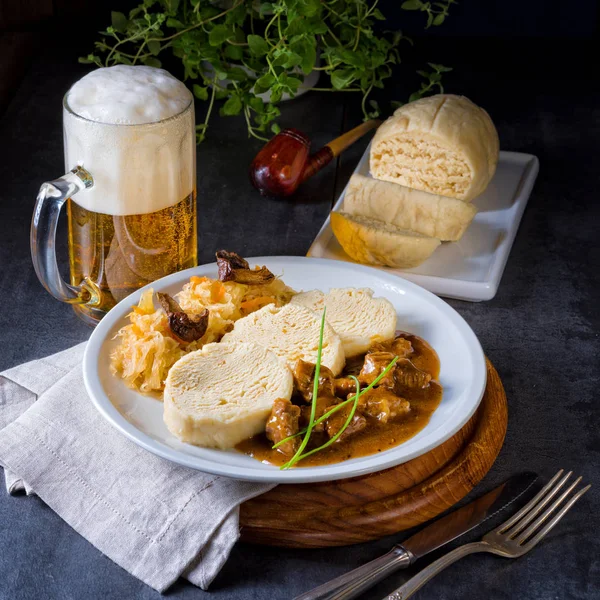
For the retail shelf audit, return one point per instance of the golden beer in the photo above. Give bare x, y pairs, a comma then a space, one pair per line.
120, 254
130, 188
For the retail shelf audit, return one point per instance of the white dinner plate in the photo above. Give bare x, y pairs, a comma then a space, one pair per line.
462, 375
470, 269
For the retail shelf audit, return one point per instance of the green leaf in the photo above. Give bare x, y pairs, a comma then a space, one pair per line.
439, 19
175, 23
288, 60
258, 45
265, 8
237, 15
412, 5
414, 96
124, 60
154, 47
234, 52
396, 104
319, 28
237, 74
172, 6
298, 26
256, 104
308, 8
293, 82
377, 59
264, 83
200, 92
275, 128
119, 21
309, 57
353, 58
218, 34
150, 61
341, 78
276, 94
207, 12
90, 59
378, 15
233, 106
440, 68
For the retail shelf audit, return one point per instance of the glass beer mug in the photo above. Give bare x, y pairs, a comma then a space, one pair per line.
129, 142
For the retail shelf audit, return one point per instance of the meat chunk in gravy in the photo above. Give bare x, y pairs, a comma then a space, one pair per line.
304, 373
344, 386
383, 404
403, 376
375, 363
337, 420
282, 423
323, 404
398, 347
406, 375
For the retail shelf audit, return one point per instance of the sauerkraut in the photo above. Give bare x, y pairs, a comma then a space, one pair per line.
146, 351
147, 348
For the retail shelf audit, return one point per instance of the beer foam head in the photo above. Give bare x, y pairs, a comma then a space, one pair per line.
128, 95
133, 129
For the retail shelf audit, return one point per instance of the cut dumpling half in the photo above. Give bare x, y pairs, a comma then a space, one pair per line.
223, 394
357, 317
291, 332
441, 144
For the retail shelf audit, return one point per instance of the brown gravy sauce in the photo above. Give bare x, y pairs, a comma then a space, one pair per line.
377, 437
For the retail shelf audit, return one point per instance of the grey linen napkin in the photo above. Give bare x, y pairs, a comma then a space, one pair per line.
157, 520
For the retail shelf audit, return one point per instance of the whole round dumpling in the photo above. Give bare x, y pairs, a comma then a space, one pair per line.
223, 394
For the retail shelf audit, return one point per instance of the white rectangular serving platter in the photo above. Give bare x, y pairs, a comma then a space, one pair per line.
471, 268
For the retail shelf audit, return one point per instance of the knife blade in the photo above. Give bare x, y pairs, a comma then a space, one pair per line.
448, 528
438, 533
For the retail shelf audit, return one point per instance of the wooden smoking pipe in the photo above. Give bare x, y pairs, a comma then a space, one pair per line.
284, 163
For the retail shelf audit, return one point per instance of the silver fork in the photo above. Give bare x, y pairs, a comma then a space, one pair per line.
515, 537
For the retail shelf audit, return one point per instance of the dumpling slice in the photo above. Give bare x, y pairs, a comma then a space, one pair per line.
223, 394
357, 317
292, 333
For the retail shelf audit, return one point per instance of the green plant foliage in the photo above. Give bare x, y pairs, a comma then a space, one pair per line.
237, 49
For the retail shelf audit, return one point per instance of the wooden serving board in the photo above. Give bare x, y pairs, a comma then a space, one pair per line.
349, 511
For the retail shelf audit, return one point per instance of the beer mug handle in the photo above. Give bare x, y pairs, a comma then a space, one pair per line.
50, 198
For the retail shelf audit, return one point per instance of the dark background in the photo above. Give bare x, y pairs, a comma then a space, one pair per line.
532, 64
496, 26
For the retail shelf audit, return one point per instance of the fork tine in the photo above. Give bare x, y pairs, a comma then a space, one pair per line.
517, 516
538, 508
555, 519
541, 519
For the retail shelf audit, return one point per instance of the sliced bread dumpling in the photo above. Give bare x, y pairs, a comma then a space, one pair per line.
357, 317
373, 242
223, 394
292, 333
406, 208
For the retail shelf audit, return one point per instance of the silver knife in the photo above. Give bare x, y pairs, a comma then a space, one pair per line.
440, 532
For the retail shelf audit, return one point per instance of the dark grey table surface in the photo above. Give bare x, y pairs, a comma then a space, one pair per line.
540, 331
